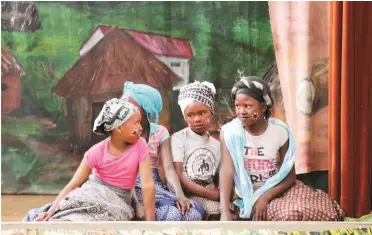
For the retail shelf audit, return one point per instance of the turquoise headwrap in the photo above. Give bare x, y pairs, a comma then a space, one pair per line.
147, 97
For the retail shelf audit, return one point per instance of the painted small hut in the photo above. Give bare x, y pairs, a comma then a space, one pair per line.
11, 73
173, 52
99, 75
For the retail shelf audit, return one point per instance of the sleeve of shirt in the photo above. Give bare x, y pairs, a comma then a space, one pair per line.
143, 150
284, 136
164, 134
178, 148
90, 158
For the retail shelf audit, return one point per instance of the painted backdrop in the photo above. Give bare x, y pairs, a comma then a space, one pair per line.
58, 67
62, 60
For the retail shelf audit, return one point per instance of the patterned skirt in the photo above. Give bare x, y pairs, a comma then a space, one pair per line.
165, 203
212, 208
301, 203
95, 200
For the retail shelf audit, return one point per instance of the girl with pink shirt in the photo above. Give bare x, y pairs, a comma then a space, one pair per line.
169, 206
101, 188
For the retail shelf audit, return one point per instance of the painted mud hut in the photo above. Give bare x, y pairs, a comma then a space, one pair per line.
11, 73
100, 74
173, 52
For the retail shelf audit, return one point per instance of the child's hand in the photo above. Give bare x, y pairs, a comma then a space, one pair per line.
260, 208
140, 212
44, 216
183, 204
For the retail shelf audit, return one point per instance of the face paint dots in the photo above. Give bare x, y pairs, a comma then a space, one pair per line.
255, 116
134, 133
207, 121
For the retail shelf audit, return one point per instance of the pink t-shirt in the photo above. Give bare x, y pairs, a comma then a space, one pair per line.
118, 171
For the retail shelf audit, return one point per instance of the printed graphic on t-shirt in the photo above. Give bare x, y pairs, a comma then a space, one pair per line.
200, 165
259, 166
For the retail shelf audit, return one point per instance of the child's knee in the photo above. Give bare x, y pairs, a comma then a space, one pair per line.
196, 213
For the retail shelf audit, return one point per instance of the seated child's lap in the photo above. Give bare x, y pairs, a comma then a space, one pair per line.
305, 204
300, 203
212, 208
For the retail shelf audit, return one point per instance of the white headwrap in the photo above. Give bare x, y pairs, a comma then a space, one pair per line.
113, 114
203, 92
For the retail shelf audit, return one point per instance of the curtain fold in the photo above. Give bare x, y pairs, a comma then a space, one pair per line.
350, 102
301, 40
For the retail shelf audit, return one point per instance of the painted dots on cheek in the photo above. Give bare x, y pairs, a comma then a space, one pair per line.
134, 132
207, 120
255, 116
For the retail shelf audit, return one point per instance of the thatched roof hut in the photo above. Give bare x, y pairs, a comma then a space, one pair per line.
9, 65
100, 74
117, 58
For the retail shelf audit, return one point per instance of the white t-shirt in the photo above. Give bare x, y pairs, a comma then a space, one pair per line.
261, 153
200, 157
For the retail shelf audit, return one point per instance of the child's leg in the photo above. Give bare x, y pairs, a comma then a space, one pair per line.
301, 203
34, 213
167, 213
212, 208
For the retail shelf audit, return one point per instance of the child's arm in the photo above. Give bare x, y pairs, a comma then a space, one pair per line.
261, 204
178, 152
226, 180
81, 175
287, 182
172, 177
148, 189
140, 214
209, 193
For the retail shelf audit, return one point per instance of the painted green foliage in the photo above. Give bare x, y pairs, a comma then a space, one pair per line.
225, 37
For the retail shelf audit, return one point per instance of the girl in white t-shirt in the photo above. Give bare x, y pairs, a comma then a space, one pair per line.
196, 154
258, 153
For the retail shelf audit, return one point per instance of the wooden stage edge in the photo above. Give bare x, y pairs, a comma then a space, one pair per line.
159, 226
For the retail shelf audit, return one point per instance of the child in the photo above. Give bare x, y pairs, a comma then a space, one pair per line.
196, 154
259, 153
106, 195
169, 206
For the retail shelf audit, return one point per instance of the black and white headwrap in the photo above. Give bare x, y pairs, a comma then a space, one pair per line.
254, 87
203, 92
113, 114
